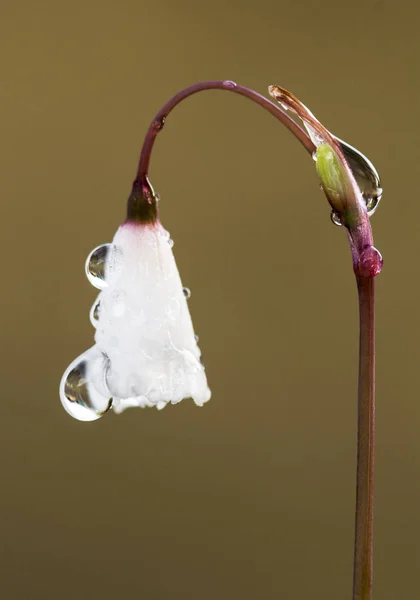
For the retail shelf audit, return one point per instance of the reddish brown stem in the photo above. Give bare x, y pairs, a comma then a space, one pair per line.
363, 548
159, 120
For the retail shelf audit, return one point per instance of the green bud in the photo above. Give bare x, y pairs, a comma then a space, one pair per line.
334, 178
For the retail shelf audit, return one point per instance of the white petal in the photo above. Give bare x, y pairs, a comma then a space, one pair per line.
144, 323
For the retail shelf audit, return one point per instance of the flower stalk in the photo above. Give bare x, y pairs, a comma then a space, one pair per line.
346, 200
363, 548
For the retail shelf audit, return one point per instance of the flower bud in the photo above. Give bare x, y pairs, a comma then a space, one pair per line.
334, 178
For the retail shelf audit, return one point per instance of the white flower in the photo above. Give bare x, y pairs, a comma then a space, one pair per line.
146, 353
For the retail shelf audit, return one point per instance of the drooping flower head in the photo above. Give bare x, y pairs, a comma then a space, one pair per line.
145, 351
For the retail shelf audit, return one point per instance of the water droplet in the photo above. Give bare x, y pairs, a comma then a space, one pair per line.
316, 138
196, 338
94, 312
83, 389
372, 201
366, 176
106, 257
171, 243
370, 262
336, 219
229, 84
158, 124
187, 292
95, 265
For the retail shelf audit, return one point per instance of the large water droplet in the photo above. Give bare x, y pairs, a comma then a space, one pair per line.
83, 391
187, 292
335, 218
105, 261
366, 176
95, 265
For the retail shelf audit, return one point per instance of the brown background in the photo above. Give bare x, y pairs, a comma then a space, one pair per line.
252, 496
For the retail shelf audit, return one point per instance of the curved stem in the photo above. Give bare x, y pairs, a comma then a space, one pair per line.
363, 546
159, 120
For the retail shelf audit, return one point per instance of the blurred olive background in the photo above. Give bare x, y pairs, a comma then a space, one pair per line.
253, 495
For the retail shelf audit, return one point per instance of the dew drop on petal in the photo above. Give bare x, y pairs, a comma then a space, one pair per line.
187, 292
336, 219
95, 265
94, 312
196, 338
79, 395
171, 243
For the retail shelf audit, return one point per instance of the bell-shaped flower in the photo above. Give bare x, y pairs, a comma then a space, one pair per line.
146, 353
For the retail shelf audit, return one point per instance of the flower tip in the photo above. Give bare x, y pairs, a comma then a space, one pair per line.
142, 206
201, 397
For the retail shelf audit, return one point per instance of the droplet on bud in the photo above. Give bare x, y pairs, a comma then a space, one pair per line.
316, 138
95, 265
335, 218
187, 292
229, 84
370, 262
372, 200
366, 176
83, 388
